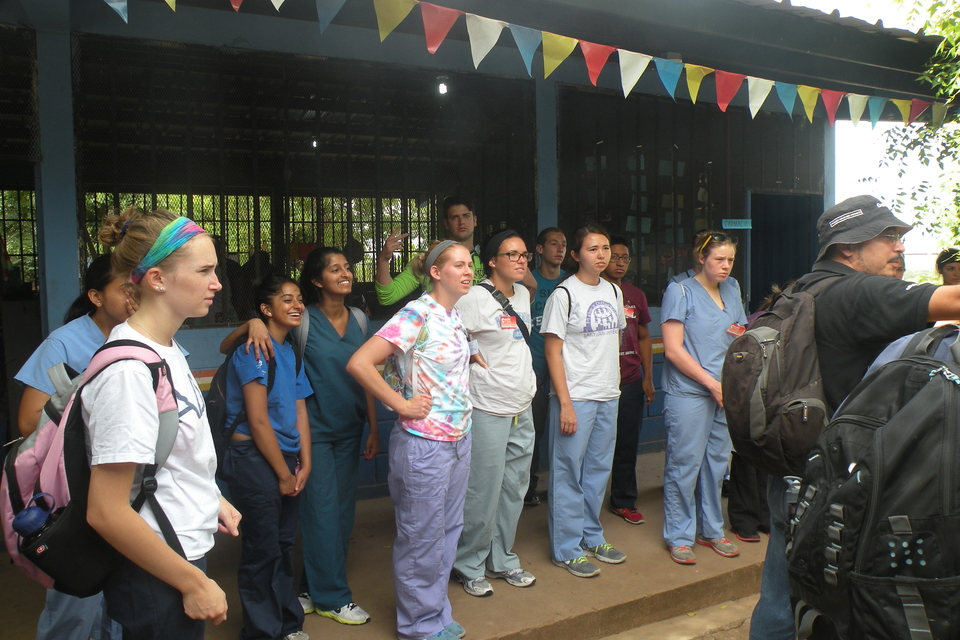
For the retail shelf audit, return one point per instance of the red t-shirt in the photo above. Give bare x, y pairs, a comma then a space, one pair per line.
637, 313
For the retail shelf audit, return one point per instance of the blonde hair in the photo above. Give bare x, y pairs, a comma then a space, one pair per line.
419, 263
131, 234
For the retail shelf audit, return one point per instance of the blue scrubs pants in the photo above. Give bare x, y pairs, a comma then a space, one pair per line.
698, 450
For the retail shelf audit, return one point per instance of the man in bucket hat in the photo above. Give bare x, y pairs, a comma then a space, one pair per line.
857, 315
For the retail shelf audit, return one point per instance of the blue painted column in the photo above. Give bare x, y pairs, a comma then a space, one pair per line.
829, 167
57, 227
547, 160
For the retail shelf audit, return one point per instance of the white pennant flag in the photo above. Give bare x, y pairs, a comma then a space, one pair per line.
484, 34
758, 89
857, 104
632, 66
276, 4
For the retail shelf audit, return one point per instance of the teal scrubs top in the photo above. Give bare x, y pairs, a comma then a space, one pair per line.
338, 407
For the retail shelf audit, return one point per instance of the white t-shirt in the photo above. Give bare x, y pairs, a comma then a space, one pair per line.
591, 336
508, 385
120, 411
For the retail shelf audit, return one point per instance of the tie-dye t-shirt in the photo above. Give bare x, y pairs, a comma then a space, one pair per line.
436, 359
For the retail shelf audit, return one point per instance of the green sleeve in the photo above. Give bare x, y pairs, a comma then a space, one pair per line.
478, 274
401, 286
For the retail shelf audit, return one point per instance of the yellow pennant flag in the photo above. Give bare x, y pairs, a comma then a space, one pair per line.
172, 4
390, 13
904, 107
695, 75
808, 96
556, 49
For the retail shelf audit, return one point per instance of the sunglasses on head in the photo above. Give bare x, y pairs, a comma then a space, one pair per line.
722, 238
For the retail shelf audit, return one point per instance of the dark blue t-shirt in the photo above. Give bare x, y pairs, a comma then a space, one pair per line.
288, 387
544, 288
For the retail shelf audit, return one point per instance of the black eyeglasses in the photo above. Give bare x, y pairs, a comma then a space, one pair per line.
617, 258
717, 237
514, 256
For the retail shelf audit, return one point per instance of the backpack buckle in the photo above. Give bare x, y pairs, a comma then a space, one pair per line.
149, 485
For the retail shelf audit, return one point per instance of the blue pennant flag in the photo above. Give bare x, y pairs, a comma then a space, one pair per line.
669, 71
788, 96
326, 10
876, 105
527, 41
120, 6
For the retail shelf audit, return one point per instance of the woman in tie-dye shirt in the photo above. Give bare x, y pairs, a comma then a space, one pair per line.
430, 448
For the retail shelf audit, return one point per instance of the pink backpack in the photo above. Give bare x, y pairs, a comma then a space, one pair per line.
46, 476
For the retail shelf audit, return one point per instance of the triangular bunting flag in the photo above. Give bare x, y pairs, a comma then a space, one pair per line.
632, 66
758, 90
904, 107
876, 105
669, 71
727, 86
808, 96
437, 21
788, 96
326, 11
484, 34
390, 13
695, 75
831, 100
276, 4
236, 4
556, 49
172, 4
527, 41
120, 6
939, 114
856, 103
918, 107
595, 55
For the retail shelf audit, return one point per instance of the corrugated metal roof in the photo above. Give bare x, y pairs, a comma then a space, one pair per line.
835, 18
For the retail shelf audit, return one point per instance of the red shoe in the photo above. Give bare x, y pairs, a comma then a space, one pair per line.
630, 515
721, 545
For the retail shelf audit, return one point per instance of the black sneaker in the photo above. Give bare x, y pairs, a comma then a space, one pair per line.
531, 499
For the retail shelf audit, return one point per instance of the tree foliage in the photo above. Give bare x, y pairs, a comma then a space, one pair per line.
936, 201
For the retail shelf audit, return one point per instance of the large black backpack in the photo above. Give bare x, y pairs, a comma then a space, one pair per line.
772, 390
873, 545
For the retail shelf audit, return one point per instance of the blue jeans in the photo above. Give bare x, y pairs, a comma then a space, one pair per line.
70, 618
268, 531
580, 467
773, 616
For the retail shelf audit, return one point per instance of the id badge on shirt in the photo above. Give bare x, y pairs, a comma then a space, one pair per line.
630, 312
508, 322
736, 329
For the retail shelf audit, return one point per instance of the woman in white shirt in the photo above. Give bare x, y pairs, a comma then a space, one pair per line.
496, 315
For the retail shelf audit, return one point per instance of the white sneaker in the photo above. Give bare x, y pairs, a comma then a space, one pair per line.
347, 614
307, 603
296, 635
515, 577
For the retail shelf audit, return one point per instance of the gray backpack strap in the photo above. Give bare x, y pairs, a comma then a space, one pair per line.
169, 425
299, 334
361, 319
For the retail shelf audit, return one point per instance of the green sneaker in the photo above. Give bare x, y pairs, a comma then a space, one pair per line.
580, 567
606, 552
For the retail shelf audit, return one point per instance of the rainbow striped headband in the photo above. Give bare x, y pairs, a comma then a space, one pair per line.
172, 237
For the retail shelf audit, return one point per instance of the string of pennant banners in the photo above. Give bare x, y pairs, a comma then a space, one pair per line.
484, 33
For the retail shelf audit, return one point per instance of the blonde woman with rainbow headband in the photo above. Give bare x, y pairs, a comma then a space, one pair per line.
430, 445
156, 593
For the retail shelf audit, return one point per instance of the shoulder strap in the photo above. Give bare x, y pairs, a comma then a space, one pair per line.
301, 333
507, 307
569, 299
361, 319
168, 428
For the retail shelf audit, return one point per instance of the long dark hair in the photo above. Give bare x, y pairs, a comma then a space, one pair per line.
97, 277
317, 260
578, 237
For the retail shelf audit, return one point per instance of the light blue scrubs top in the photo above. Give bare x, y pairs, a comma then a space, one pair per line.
705, 325
338, 406
74, 343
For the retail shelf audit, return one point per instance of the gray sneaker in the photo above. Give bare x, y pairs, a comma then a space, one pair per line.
580, 567
515, 577
721, 545
606, 552
477, 587
296, 635
347, 614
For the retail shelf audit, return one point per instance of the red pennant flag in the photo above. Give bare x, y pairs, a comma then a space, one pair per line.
917, 107
595, 56
831, 100
436, 23
727, 86
236, 4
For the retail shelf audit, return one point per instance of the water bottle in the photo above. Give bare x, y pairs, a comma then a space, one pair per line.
34, 517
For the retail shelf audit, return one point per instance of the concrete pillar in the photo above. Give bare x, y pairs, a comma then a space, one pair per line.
57, 230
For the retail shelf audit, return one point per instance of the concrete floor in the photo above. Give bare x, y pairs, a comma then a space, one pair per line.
647, 588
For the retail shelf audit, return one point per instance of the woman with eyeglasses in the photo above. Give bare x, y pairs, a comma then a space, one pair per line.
700, 317
496, 315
